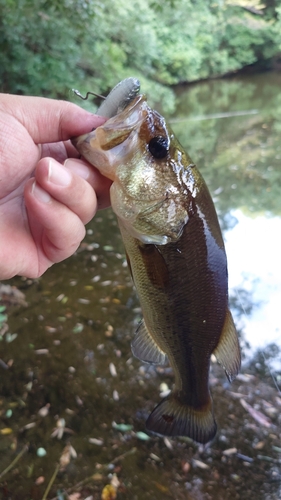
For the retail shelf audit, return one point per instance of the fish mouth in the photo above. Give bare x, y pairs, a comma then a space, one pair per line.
111, 136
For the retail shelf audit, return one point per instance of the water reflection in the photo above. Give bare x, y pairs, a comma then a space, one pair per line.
240, 155
236, 144
253, 249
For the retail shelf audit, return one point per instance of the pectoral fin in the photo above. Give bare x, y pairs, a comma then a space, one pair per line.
145, 349
227, 351
155, 265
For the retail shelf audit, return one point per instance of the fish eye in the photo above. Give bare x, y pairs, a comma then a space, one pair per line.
158, 147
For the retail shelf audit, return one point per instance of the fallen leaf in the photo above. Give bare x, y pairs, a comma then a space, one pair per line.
122, 427
185, 467
98, 442
39, 480
112, 370
109, 492
43, 412
10, 337
78, 328
259, 445
168, 443
67, 454
115, 481
229, 451
6, 431
84, 301
257, 415
50, 329
160, 487
41, 351
200, 464
142, 436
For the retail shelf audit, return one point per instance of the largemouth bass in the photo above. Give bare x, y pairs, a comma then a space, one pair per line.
176, 256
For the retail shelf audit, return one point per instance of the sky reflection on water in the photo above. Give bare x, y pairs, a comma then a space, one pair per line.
253, 249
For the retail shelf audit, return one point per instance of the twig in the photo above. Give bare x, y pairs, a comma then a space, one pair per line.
51, 482
92, 477
77, 485
120, 457
18, 457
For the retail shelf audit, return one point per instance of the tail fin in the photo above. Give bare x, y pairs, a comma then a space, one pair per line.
172, 418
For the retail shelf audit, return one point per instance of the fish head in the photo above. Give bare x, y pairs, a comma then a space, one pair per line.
150, 171
137, 130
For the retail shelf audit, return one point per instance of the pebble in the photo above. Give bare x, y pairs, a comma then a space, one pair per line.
112, 370
41, 452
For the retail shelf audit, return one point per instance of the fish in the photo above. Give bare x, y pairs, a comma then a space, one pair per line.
176, 256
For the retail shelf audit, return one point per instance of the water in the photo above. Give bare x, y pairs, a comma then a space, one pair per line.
71, 355
239, 154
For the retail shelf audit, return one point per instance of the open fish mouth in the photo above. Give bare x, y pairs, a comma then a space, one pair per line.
119, 128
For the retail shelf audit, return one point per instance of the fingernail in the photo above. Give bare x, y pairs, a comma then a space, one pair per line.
39, 193
77, 167
58, 174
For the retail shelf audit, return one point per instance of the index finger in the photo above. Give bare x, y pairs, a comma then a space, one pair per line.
49, 120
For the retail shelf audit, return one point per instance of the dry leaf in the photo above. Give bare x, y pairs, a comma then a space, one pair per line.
109, 492
257, 415
39, 480
6, 431
200, 464
229, 451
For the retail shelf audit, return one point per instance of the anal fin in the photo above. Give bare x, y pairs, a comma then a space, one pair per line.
145, 348
227, 351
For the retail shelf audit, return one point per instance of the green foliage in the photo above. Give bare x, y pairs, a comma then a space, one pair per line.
48, 47
38, 52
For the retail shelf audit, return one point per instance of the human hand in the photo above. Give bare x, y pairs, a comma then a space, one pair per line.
43, 203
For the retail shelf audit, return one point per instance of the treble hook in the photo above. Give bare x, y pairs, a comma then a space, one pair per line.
76, 92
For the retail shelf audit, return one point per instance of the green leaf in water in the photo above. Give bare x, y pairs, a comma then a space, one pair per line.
122, 427
143, 436
30, 469
9, 337
78, 328
3, 318
60, 495
276, 448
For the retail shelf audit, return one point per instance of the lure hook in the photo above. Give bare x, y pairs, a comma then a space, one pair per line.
76, 92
